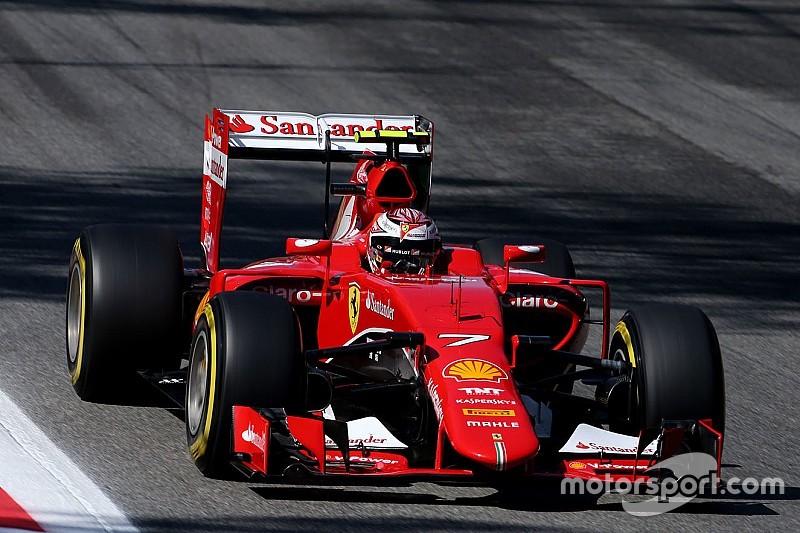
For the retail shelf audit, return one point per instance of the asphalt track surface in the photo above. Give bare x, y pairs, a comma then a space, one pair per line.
660, 139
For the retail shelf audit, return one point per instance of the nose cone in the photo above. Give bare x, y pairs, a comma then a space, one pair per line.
473, 393
490, 427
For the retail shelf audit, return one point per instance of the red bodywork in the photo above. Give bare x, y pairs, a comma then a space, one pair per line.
460, 313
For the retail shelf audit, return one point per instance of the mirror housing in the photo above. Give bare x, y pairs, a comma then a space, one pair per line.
524, 253
320, 247
521, 253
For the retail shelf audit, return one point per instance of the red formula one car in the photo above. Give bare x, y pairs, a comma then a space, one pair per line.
376, 350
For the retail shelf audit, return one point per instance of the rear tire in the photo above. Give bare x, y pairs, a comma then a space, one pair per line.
678, 372
245, 351
123, 307
558, 262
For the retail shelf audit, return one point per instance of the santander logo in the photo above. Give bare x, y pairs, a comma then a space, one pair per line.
280, 125
589, 440
238, 125
259, 441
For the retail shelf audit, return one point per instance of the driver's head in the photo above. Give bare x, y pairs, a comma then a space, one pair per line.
403, 241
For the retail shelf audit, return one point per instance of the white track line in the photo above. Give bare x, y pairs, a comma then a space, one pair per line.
46, 483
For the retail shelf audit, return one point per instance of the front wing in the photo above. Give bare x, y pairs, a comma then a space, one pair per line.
268, 442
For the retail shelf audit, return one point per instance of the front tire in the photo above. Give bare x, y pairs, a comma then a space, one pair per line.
123, 306
677, 372
245, 351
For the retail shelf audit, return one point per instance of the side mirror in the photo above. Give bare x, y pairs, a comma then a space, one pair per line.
524, 253
320, 247
521, 253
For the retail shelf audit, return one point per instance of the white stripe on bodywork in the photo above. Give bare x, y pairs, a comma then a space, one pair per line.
46, 483
365, 333
408, 353
346, 226
465, 338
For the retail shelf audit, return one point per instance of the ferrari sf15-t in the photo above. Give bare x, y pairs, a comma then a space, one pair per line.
316, 362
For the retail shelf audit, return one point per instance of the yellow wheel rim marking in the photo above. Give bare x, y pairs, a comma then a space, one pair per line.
74, 375
199, 446
201, 307
622, 329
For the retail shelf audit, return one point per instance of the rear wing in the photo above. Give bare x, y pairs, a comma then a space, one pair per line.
301, 137
290, 136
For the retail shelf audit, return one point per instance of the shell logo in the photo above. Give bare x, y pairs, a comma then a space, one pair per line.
474, 370
577, 465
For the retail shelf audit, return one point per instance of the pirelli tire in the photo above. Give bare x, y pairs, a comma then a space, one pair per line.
677, 369
558, 262
245, 351
123, 307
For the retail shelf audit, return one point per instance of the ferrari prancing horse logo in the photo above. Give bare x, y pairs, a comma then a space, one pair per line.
406, 227
353, 305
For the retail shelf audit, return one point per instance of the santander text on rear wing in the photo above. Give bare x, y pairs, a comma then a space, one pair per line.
291, 136
300, 136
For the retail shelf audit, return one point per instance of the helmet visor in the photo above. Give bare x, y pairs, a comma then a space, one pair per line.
406, 256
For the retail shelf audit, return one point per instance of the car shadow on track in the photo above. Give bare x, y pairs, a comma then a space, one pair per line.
352, 523
137, 392
537, 498
727, 504
540, 500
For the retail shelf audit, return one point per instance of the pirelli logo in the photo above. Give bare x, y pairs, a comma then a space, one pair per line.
488, 412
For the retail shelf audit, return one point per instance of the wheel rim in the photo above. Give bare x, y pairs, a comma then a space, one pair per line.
198, 379
74, 313
629, 426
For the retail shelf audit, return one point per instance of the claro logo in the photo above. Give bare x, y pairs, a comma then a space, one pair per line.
293, 294
530, 301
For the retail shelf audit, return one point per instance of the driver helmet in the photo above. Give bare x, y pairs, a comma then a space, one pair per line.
403, 241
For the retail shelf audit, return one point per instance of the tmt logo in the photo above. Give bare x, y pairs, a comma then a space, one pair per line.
481, 391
